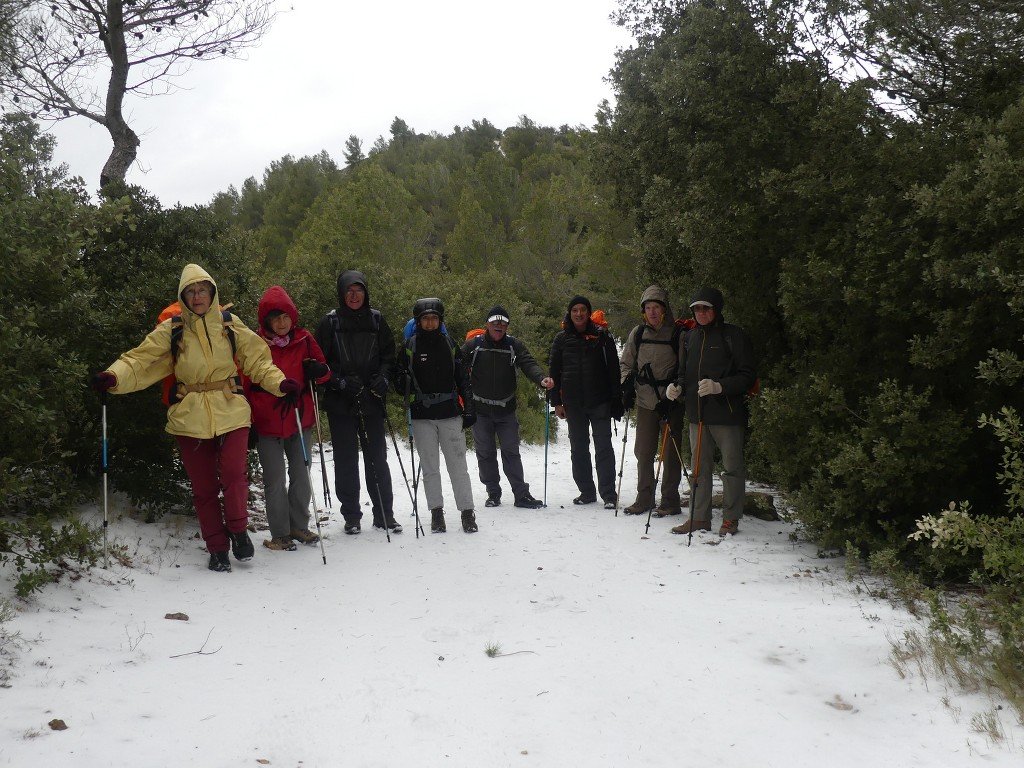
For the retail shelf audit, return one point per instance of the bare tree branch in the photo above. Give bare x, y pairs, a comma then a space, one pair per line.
58, 51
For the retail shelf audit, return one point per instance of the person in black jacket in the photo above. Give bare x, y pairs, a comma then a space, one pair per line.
360, 351
588, 395
430, 374
492, 359
718, 370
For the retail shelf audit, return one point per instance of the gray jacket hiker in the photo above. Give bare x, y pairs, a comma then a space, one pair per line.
651, 358
493, 359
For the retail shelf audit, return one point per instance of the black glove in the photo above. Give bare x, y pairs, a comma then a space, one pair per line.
313, 369
103, 381
379, 384
468, 420
628, 393
617, 408
665, 407
353, 384
336, 382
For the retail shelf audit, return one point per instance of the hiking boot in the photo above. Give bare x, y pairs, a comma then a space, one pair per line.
609, 504
469, 521
636, 508
306, 537
393, 526
697, 525
280, 544
729, 528
581, 500
526, 501
666, 511
437, 521
219, 562
494, 500
352, 527
241, 546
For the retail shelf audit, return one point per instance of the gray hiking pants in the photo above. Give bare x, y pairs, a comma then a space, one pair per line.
729, 440
287, 506
443, 436
488, 433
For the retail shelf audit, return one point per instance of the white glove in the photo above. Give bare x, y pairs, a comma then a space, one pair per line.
673, 391
708, 387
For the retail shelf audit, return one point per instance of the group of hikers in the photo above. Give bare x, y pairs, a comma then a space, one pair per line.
231, 388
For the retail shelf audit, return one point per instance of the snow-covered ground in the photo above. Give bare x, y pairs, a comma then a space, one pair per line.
614, 648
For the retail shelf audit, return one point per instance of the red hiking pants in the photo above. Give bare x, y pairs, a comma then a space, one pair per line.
213, 466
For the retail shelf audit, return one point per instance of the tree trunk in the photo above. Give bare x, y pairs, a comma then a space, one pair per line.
126, 141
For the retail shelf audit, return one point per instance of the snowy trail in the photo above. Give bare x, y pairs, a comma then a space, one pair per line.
615, 648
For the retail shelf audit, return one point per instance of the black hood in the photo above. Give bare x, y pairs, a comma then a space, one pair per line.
714, 297
348, 278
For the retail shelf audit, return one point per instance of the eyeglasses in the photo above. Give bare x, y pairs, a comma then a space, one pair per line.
198, 291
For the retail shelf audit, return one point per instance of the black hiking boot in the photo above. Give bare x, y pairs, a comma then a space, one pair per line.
469, 521
494, 500
352, 527
526, 501
437, 521
219, 562
580, 500
241, 546
393, 526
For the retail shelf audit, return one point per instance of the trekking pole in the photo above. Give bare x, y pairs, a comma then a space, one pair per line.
412, 458
309, 474
106, 466
547, 422
696, 475
365, 443
398, 453
622, 464
320, 447
661, 458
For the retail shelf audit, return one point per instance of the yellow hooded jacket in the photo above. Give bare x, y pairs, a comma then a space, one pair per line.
204, 356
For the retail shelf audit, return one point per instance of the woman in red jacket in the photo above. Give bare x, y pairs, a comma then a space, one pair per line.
296, 353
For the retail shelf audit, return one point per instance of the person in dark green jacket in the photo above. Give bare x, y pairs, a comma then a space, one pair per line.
719, 369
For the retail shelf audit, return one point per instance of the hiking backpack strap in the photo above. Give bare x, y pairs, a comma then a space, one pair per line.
230, 385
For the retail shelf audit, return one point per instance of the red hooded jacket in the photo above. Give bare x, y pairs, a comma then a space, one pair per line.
270, 415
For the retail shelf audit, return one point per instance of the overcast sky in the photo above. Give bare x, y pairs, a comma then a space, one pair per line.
330, 68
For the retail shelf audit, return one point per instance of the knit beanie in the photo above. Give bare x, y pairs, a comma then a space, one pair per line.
497, 312
580, 300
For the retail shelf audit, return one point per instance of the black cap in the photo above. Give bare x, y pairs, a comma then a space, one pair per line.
497, 312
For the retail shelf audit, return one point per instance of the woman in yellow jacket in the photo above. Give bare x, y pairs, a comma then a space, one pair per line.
208, 415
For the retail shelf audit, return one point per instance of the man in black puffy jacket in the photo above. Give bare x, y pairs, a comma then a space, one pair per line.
492, 360
719, 369
588, 395
360, 351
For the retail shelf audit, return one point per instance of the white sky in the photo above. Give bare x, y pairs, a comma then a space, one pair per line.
330, 69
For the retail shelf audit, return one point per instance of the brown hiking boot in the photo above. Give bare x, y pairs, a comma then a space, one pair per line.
306, 537
698, 525
280, 544
636, 508
667, 511
729, 527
